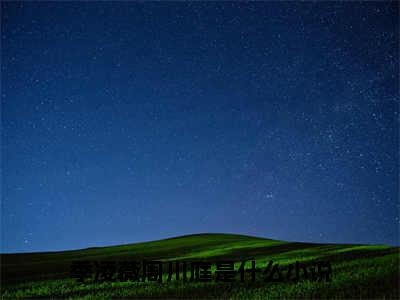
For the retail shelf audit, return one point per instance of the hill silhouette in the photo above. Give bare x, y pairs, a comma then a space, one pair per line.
357, 270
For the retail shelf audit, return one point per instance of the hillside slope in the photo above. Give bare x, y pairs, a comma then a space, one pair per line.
357, 270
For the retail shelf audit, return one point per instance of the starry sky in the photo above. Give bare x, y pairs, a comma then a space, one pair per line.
128, 121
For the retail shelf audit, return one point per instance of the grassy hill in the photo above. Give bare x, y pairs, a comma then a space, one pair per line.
358, 271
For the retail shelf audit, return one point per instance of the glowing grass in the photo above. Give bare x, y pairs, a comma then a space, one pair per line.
358, 271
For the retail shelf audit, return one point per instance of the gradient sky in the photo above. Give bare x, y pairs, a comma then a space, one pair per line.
125, 122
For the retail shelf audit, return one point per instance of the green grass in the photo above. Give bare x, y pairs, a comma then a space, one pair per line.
358, 271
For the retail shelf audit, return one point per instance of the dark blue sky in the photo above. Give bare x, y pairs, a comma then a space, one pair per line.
124, 122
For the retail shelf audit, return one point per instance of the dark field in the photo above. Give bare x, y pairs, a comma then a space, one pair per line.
358, 271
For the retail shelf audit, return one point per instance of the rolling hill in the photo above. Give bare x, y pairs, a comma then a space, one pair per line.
358, 271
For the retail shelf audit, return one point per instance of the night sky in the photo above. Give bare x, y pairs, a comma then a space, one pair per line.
125, 122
